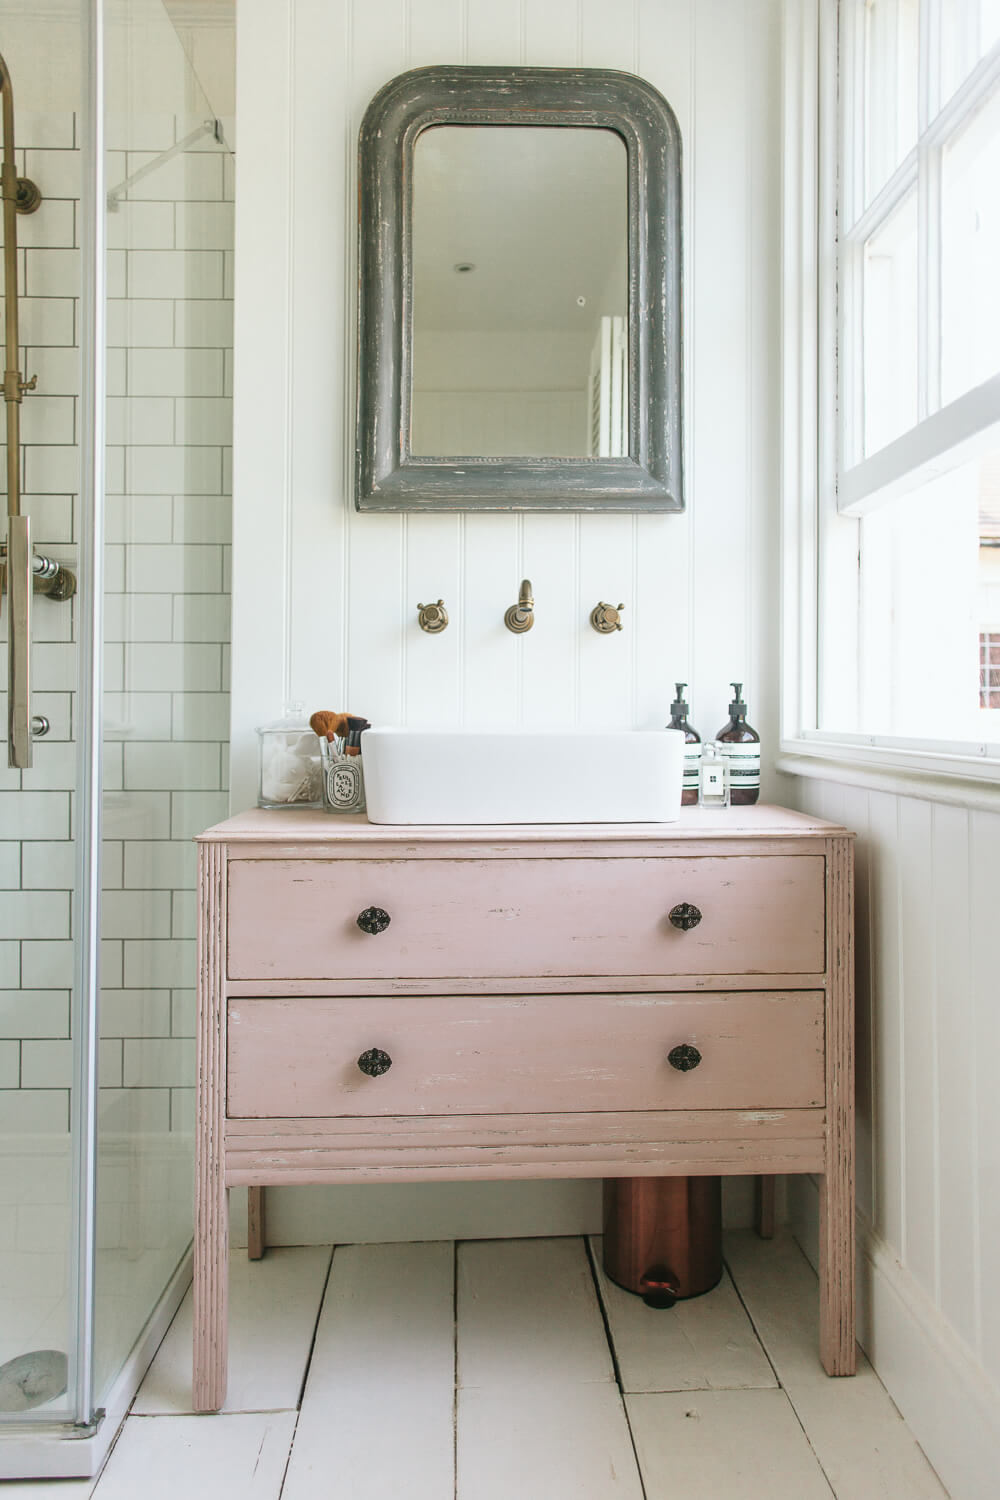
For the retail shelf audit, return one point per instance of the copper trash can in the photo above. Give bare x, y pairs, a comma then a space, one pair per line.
663, 1236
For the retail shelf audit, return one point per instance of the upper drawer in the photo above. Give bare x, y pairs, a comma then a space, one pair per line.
297, 919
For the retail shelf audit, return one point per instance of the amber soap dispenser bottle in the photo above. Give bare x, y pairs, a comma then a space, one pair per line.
692, 746
740, 744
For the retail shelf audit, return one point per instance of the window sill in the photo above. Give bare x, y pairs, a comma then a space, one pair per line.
961, 780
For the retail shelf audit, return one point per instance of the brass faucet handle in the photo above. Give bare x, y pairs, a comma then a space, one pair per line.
605, 618
521, 616
432, 617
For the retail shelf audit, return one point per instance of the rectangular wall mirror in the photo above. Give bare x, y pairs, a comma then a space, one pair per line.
520, 293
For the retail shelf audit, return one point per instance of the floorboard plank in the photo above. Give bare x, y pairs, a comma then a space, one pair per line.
240, 1457
528, 1313
704, 1445
865, 1447
273, 1307
538, 1442
377, 1418
705, 1344
539, 1414
47, 1489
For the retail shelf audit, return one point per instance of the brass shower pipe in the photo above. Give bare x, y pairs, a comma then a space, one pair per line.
22, 568
19, 194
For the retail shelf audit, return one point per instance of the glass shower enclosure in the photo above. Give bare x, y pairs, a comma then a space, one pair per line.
123, 281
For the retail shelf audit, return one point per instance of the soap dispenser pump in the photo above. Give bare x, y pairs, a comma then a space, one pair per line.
692, 746
740, 744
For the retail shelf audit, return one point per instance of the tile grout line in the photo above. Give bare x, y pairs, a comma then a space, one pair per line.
781, 1385
592, 1262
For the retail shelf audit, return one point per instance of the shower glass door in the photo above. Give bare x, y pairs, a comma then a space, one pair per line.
125, 288
39, 1206
166, 628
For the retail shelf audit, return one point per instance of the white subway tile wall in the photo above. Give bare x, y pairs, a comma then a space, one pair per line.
166, 706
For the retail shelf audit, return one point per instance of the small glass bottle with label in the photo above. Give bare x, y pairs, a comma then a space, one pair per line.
713, 776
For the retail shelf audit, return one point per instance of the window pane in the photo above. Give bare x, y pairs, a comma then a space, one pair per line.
930, 575
969, 28
970, 255
891, 37
890, 328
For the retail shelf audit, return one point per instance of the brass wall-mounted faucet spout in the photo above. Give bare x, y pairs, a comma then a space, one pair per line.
521, 616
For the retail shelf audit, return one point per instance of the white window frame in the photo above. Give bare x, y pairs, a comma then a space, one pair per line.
822, 501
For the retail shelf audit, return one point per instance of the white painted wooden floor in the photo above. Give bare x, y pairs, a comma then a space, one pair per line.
510, 1370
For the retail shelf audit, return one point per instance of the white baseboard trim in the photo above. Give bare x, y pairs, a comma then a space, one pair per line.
950, 1402
56, 1453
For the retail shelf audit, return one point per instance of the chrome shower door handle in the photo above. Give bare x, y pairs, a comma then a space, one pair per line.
19, 590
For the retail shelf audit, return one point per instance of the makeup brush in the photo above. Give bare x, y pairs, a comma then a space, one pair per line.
328, 725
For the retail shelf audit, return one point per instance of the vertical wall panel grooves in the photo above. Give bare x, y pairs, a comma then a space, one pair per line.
837, 1217
692, 604
910, 886
340, 628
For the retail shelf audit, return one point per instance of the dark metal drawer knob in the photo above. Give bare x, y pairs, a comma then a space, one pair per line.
373, 919
684, 1058
685, 916
374, 1062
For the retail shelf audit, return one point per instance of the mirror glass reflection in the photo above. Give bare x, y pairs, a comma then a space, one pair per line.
520, 292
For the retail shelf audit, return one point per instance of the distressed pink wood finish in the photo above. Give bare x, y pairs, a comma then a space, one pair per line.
301, 826
505, 917
837, 1342
567, 927
612, 1144
506, 1055
211, 1204
256, 1224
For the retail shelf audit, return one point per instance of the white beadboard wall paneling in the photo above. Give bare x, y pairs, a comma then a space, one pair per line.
719, 400
325, 600
662, 608
262, 378
885, 944
955, 1052
856, 816
921, 1101
376, 628
494, 30
984, 869
333, 595
607, 563
928, 895
432, 665
549, 658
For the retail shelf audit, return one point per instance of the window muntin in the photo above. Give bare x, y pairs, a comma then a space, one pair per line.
905, 629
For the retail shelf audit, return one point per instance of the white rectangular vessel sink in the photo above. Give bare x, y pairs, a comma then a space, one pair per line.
523, 775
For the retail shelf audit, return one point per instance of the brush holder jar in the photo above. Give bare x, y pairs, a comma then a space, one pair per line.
343, 779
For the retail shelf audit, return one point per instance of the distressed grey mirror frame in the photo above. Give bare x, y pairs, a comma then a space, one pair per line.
387, 475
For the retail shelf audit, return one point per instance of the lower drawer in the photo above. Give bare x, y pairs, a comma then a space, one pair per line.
524, 1054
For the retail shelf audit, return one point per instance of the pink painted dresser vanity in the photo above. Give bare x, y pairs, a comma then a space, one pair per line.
397, 1004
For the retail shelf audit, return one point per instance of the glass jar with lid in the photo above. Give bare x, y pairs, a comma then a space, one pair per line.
291, 770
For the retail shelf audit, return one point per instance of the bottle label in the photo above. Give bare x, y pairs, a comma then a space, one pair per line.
344, 786
692, 764
744, 763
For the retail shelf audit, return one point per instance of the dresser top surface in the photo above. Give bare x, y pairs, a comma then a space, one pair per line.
308, 826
